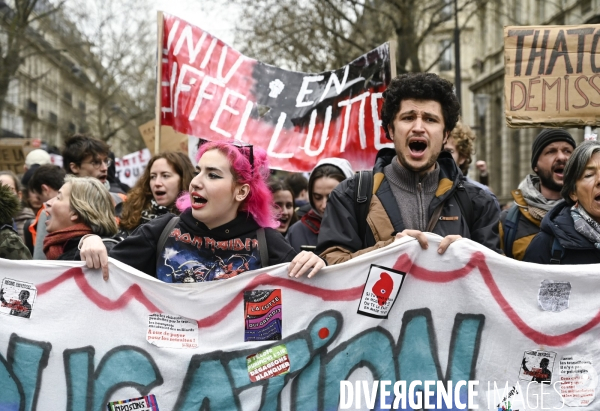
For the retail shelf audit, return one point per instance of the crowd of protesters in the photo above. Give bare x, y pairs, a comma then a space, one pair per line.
169, 223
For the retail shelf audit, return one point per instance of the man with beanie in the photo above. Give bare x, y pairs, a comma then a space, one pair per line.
415, 187
537, 193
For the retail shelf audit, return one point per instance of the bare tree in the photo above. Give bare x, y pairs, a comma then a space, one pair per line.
120, 61
19, 40
313, 35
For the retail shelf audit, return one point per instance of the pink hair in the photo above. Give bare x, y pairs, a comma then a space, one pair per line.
259, 202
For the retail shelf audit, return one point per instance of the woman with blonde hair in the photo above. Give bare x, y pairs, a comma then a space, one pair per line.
166, 176
82, 207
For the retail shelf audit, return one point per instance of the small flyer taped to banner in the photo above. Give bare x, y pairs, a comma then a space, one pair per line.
172, 331
268, 363
147, 403
554, 295
537, 366
380, 292
578, 381
262, 315
17, 297
507, 400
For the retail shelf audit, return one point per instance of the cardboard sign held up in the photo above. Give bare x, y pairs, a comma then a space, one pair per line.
170, 139
552, 76
12, 158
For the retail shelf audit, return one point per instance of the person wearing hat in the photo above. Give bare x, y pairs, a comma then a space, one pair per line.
538, 193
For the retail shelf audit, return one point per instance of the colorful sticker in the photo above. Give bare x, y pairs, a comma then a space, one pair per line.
147, 403
262, 315
16, 298
509, 400
578, 381
554, 296
380, 292
537, 366
172, 331
268, 363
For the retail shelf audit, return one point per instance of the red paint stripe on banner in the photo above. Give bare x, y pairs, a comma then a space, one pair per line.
478, 261
348, 294
132, 293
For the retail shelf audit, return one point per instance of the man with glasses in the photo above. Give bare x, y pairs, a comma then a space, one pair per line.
85, 156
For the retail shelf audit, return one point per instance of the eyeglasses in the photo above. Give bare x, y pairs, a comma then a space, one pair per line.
250, 154
98, 163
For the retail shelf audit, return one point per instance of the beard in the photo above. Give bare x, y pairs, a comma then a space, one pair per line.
547, 180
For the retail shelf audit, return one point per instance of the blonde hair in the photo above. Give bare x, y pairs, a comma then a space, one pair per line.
464, 142
93, 204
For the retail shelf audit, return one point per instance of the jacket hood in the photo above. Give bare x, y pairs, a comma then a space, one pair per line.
9, 205
342, 164
559, 223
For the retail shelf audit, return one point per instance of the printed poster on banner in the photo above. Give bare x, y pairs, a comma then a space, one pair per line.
262, 315
172, 331
578, 380
209, 90
380, 292
537, 366
268, 363
147, 403
17, 298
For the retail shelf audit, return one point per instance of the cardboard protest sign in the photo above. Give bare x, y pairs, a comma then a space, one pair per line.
12, 158
209, 90
552, 76
170, 140
467, 316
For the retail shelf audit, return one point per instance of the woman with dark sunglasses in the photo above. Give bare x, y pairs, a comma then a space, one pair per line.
228, 217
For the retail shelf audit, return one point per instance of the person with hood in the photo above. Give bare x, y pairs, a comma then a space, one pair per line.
570, 232
8, 178
537, 193
12, 246
326, 176
414, 187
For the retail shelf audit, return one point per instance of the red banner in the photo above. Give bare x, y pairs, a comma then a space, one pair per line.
212, 91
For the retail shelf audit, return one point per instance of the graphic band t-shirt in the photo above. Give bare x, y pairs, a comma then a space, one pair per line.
193, 257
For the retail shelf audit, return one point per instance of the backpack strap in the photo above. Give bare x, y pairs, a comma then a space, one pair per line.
390, 205
363, 191
262, 247
465, 204
557, 253
510, 229
163, 238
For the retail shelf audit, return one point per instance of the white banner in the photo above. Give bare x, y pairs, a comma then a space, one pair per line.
525, 336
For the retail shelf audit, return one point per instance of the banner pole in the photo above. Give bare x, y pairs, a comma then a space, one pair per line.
393, 46
159, 57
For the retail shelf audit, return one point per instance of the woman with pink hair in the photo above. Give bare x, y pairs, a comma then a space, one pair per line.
226, 226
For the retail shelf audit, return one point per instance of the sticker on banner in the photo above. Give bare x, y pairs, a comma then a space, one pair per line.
262, 315
380, 292
537, 366
147, 403
17, 297
268, 363
554, 296
578, 381
172, 331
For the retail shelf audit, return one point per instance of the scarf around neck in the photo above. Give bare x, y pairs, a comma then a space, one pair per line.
154, 211
312, 220
530, 188
55, 242
586, 225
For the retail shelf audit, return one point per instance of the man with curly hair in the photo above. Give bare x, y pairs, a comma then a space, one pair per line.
460, 145
416, 187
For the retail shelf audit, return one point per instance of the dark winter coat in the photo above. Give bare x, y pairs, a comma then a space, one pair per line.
12, 246
339, 240
559, 224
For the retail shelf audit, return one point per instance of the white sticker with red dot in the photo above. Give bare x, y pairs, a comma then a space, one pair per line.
381, 291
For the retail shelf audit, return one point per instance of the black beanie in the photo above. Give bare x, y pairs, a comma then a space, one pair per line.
548, 136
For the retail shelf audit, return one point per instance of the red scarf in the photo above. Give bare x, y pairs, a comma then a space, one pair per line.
312, 220
55, 242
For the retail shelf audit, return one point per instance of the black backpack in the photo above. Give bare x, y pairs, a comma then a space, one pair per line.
363, 191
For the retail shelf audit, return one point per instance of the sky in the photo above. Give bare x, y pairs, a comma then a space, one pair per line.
218, 17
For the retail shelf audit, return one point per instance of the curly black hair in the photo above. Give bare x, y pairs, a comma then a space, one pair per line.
420, 86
